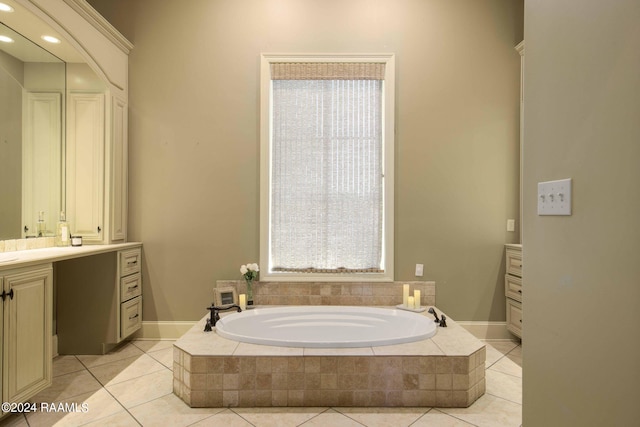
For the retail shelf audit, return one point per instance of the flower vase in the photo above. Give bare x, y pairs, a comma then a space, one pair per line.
249, 292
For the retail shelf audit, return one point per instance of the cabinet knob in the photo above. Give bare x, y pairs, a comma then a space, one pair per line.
4, 294
99, 229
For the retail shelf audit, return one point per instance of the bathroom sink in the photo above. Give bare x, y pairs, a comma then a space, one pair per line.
7, 257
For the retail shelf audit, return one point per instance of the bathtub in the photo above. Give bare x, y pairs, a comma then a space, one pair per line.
326, 326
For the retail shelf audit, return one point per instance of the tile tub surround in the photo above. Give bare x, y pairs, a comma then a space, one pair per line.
447, 370
332, 293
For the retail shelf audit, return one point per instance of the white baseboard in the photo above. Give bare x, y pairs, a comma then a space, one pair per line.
160, 330
487, 330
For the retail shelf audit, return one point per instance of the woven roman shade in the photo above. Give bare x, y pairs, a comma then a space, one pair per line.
327, 71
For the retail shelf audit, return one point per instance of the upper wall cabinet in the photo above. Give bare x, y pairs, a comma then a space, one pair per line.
96, 146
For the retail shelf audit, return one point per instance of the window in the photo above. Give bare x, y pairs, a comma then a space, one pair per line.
327, 168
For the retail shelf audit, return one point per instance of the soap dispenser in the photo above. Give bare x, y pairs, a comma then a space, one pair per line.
62, 231
41, 226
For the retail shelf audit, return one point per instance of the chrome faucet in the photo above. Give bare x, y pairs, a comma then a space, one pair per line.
215, 316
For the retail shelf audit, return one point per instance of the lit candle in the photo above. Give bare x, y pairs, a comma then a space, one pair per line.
243, 301
405, 295
416, 299
410, 302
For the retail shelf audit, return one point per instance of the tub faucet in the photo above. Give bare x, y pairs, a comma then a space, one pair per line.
215, 316
443, 321
432, 311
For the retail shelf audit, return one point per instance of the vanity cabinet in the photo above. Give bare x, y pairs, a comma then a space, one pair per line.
99, 301
513, 288
26, 313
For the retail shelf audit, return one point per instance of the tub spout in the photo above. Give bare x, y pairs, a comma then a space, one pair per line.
215, 316
443, 321
432, 311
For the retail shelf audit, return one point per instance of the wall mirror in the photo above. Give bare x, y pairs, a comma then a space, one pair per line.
32, 88
36, 79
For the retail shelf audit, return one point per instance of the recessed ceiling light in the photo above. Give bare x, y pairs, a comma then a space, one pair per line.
6, 39
51, 39
5, 8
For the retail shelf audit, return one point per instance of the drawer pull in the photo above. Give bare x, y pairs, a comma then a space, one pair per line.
132, 262
519, 291
136, 315
130, 288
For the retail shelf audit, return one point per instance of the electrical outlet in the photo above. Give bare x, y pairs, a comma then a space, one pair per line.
419, 269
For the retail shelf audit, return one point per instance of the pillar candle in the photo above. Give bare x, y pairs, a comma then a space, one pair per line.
405, 294
410, 302
243, 301
416, 299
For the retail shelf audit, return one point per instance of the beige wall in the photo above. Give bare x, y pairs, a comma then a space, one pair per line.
581, 273
193, 117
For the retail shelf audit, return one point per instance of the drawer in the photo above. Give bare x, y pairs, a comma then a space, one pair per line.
130, 261
130, 316
513, 287
130, 287
514, 262
514, 317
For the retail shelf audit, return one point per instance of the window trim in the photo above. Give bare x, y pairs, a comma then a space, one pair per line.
388, 166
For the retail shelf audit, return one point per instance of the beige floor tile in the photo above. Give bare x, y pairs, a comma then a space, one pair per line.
15, 420
126, 369
86, 408
66, 364
67, 386
391, 417
489, 411
153, 345
125, 351
509, 364
278, 417
169, 410
435, 418
226, 418
503, 385
497, 349
120, 419
143, 389
164, 356
334, 419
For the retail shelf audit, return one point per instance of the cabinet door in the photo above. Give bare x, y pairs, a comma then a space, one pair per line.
27, 333
41, 152
85, 165
118, 181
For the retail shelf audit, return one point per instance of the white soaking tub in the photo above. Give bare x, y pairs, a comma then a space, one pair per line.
326, 326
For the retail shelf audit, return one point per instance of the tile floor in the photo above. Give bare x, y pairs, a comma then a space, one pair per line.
132, 386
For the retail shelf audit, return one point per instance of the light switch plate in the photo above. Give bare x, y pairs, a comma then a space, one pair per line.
554, 197
419, 269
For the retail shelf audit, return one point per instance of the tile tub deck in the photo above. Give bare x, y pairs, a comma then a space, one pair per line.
447, 370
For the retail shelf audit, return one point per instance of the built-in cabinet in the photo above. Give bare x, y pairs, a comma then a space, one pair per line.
26, 313
99, 301
513, 288
97, 167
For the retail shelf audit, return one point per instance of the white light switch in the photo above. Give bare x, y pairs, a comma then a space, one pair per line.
511, 225
419, 269
554, 197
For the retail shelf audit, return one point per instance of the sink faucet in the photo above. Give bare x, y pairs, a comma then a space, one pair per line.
215, 316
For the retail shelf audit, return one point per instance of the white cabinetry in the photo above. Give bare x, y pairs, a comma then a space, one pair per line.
85, 165
513, 288
26, 315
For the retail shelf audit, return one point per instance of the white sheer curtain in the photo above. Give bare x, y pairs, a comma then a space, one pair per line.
327, 174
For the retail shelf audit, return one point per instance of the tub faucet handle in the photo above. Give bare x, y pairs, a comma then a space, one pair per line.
443, 321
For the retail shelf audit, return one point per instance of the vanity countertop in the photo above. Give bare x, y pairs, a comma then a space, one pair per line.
29, 257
